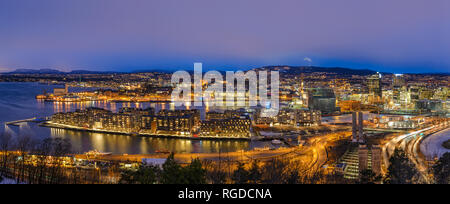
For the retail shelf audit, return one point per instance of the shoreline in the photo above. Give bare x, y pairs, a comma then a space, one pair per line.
52, 125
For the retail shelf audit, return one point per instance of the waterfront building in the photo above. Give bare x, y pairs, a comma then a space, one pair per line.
165, 123
214, 116
179, 113
127, 123
137, 111
61, 91
227, 114
226, 128
175, 125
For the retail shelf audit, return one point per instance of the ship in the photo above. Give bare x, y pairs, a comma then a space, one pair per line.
276, 142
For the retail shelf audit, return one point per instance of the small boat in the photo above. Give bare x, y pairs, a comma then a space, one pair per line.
163, 151
276, 142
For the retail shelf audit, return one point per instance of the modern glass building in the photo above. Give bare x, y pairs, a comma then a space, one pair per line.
322, 99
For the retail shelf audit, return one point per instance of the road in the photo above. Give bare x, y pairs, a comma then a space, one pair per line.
410, 143
313, 154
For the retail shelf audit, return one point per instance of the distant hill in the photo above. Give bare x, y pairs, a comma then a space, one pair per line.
53, 71
282, 68
90, 72
307, 69
36, 71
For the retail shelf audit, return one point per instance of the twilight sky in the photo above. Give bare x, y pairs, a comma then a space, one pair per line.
126, 35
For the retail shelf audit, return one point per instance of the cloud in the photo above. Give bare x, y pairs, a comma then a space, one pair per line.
307, 59
2, 69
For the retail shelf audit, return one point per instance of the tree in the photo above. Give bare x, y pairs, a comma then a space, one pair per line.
401, 170
59, 149
274, 171
441, 169
240, 175
194, 172
368, 177
5, 144
214, 174
172, 171
24, 144
254, 173
146, 174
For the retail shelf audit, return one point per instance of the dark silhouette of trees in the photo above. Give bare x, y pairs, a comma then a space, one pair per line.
145, 174
46, 162
171, 171
274, 172
174, 173
194, 172
368, 177
282, 171
240, 175
401, 170
441, 169
254, 173
215, 174
5, 145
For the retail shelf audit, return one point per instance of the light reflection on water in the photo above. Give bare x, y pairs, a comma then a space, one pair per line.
17, 102
84, 141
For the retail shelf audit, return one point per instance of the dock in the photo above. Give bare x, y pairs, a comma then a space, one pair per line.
30, 120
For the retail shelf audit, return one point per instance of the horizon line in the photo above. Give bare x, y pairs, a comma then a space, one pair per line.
165, 70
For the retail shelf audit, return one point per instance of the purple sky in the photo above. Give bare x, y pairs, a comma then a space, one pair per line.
126, 35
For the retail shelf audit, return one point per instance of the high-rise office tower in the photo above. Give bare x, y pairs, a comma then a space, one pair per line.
374, 85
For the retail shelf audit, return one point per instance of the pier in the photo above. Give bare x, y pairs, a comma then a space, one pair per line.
30, 120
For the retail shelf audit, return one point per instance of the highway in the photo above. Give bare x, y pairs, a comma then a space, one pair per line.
313, 154
410, 143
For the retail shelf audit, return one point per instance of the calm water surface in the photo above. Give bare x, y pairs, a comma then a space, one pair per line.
17, 102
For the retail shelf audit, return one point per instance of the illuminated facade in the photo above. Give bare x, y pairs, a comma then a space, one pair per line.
226, 128
292, 117
374, 85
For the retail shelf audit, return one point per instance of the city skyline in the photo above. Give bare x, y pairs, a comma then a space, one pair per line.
224, 92
154, 35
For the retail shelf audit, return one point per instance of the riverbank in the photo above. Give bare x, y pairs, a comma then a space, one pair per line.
185, 158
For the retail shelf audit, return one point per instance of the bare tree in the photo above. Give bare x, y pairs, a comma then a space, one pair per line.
5, 145
23, 145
